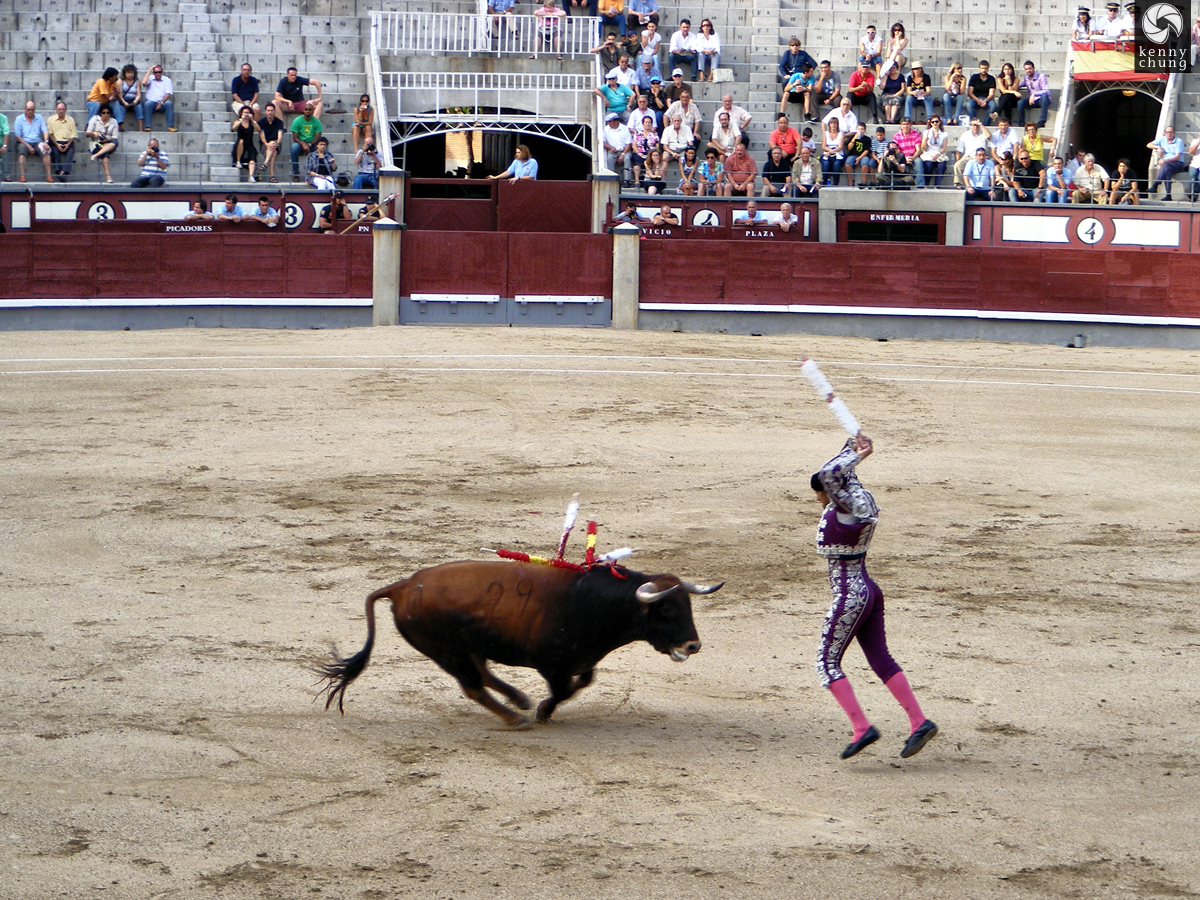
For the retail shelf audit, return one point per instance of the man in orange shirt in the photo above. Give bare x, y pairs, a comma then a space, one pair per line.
785, 138
741, 170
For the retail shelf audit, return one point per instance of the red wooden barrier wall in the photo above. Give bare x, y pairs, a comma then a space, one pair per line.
435, 262
521, 206
1133, 282
227, 264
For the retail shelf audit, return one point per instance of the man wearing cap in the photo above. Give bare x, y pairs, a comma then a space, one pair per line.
1128, 20
647, 71
682, 49
617, 146
658, 102
861, 89
333, 214
677, 86
617, 98
1110, 27
1037, 88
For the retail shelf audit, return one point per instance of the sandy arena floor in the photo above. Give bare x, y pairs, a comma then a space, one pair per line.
192, 517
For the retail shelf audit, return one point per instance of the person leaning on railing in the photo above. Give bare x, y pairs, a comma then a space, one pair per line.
523, 168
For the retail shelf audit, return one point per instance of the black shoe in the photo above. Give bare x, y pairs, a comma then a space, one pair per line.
865, 741
925, 733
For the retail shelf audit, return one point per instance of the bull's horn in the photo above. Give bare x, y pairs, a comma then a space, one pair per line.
647, 593
701, 588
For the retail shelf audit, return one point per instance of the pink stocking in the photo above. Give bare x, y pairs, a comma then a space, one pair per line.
844, 695
898, 685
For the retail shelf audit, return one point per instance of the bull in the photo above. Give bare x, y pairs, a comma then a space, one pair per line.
561, 622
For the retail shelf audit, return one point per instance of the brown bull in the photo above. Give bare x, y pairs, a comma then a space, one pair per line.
561, 622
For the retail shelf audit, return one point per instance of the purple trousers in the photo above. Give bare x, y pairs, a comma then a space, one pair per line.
856, 612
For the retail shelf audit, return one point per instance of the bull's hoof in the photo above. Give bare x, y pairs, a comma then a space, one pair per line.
521, 723
544, 711
523, 702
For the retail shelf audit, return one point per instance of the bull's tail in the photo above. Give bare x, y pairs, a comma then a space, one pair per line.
338, 674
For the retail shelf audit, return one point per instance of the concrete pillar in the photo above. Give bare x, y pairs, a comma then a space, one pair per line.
606, 189
627, 246
385, 286
391, 181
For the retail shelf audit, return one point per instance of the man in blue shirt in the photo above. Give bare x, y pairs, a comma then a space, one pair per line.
245, 90
154, 164
31, 139
524, 167
980, 175
641, 12
1171, 161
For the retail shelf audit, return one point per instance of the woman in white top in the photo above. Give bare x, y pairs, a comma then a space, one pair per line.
103, 132
833, 152
932, 156
897, 46
708, 51
1082, 30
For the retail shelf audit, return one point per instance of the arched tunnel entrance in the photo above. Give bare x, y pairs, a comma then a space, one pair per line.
1112, 125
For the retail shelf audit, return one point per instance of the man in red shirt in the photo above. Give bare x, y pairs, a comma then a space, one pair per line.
785, 138
741, 170
862, 90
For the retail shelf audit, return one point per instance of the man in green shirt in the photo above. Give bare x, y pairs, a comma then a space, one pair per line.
305, 130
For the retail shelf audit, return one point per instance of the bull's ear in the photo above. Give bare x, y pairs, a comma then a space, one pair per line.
649, 592
701, 588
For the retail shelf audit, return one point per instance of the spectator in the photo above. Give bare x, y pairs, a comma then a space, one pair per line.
894, 172
523, 167
591, 11
640, 112
62, 141
656, 172
1127, 25
158, 93
806, 139
363, 128
657, 102
105, 138
793, 60
776, 174
129, 98
897, 47
689, 171
710, 174
626, 76
708, 51
878, 149
740, 172
618, 147
609, 52
738, 116
1075, 164
289, 94
689, 112
199, 212
861, 90
799, 88
1082, 29
677, 138
265, 212
1193, 170
665, 216
918, 90
806, 174
1004, 140
1172, 160
844, 113
618, 99
1035, 143
270, 130
643, 13
788, 220
232, 212
858, 153
245, 154
4, 148
969, 141
894, 93
724, 135
30, 138
933, 155
1008, 92
955, 94
630, 215
1006, 179
334, 214
104, 91
499, 9
645, 138
833, 152
244, 91
1037, 89
550, 19
154, 162
908, 139
1091, 182
682, 49
650, 39
786, 138
751, 215
981, 94
980, 177
1058, 185
647, 74
1195, 39
612, 14
305, 131
829, 88
321, 166
677, 86
1109, 28
1030, 177
870, 50
367, 160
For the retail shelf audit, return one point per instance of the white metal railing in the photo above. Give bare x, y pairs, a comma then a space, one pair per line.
383, 127
1166, 116
1066, 103
471, 35
464, 97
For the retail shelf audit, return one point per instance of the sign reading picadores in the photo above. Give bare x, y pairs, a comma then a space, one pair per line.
1162, 37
